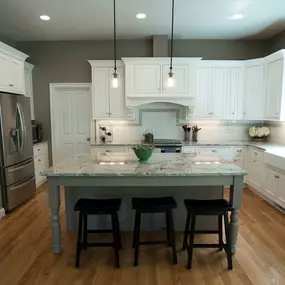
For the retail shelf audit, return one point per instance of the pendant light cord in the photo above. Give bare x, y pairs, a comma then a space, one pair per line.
171, 44
115, 39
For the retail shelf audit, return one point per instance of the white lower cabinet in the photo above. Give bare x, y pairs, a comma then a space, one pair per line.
255, 178
41, 161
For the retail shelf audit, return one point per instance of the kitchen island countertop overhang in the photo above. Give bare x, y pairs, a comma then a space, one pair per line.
124, 174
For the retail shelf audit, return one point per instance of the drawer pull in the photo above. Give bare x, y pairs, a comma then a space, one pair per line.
276, 176
239, 150
39, 160
11, 85
214, 150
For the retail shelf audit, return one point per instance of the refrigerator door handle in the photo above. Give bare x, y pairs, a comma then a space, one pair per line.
27, 181
22, 166
23, 126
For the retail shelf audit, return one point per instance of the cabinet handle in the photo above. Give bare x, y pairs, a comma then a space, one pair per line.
214, 150
39, 160
277, 113
276, 176
11, 85
255, 153
239, 150
244, 113
233, 113
39, 149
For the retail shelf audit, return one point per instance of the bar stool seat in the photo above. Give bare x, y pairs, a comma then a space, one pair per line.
154, 205
218, 207
87, 207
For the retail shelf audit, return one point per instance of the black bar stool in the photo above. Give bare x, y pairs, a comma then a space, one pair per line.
154, 205
98, 207
219, 207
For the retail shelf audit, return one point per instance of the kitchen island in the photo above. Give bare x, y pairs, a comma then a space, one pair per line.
122, 175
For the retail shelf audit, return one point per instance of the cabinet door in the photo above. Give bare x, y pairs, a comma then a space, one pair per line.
256, 175
181, 77
4, 80
235, 92
101, 83
219, 91
204, 88
117, 96
271, 184
254, 92
274, 82
147, 79
29, 91
281, 190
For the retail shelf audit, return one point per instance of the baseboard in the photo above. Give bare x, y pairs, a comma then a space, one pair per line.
2, 213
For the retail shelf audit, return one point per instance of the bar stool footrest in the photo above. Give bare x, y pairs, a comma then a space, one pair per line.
99, 231
153, 242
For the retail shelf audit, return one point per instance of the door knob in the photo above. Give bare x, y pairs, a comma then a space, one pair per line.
88, 139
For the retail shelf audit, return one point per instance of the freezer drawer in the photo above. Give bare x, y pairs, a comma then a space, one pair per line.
19, 171
20, 192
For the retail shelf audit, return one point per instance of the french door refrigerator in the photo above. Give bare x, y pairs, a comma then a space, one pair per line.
17, 182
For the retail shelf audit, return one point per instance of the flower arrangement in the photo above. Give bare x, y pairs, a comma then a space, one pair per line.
259, 133
143, 151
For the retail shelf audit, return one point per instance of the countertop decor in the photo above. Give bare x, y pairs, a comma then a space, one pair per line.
259, 133
143, 151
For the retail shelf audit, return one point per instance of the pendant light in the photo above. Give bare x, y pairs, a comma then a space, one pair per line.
171, 79
115, 79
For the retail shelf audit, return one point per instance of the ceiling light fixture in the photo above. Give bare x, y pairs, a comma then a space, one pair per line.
115, 79
171, 79
141, 16
236, 17
45, 17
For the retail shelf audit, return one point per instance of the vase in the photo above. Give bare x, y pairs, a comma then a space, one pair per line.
195, 136
186, 136
258, 139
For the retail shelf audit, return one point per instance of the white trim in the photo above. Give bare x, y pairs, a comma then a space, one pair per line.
53, 87
160, 60
28, 66
105, 63
2, 213
10, 51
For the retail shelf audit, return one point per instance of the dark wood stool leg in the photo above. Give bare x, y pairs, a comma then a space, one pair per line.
167, 229
228, 239
118, 231
116, 239
220, 222
191, 242
137, 236
84, 231
135, 230
79, 238
187, 225
172, 236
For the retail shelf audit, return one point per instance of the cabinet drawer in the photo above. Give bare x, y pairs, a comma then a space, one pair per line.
98, 149
255, 154
189, 149
220, 151
40, 149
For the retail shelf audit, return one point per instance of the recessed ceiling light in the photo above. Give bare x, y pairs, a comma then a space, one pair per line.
141, 16
236, 17
45, 17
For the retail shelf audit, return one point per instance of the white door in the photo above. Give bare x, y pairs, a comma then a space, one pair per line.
274, 83
219, 92
101, 87
181, 77
254, 92
117, 95
281, 190
70, 119
204, 89
235, 92
147, 79
271, 184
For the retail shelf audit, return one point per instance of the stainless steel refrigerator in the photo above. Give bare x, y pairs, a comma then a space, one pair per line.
16, 150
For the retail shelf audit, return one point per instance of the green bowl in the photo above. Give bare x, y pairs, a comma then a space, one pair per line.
143, 153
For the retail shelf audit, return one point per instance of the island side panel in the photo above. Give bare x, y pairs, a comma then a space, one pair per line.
54, 203
126, 214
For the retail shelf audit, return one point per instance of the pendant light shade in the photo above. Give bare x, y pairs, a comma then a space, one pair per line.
115, 78
171, 77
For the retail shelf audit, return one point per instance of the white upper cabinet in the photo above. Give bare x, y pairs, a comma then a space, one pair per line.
12, 77
274, 107
254, 89
29, 86
211, 92
147, 79
107, 102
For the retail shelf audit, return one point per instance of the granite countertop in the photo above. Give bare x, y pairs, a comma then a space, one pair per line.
159, 165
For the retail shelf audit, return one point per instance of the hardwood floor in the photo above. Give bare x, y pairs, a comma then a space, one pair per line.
26, 254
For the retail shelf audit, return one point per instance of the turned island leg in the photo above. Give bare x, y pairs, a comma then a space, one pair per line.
54, 203
234, 229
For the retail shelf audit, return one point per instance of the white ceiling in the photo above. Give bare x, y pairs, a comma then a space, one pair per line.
92, 19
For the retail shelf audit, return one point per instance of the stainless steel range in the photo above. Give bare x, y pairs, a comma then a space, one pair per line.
168, 145
17, 182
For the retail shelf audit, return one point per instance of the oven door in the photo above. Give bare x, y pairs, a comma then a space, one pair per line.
170, 149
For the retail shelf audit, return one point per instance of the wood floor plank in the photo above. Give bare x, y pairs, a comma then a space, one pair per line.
26, 256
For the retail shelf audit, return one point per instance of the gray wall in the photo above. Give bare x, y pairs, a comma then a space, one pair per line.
277, 42
221, 49
59, 62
